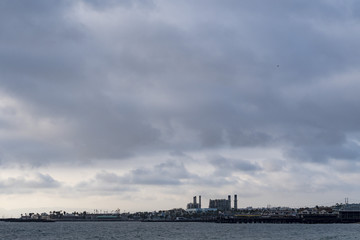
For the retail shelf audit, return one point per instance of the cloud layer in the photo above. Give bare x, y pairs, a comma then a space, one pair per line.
188, 94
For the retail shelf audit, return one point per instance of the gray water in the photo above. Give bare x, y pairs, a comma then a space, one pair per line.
139, 230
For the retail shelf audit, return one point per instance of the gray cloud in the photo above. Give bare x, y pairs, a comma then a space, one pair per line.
92, 81
163, 174
214, 80
168, 173
103, 183
226, 166
21, 185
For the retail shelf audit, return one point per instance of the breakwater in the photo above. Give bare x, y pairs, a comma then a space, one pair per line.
314, 219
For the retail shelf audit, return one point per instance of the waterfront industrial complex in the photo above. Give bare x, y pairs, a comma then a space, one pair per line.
218, 210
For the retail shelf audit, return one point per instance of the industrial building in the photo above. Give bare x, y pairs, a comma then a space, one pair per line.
219, 204
194, 204
223, 204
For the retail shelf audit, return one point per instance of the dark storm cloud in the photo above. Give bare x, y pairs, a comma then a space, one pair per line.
141, 77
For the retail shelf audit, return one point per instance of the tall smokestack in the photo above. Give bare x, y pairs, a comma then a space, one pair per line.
199, 201
229, 199
235, 202
194, 201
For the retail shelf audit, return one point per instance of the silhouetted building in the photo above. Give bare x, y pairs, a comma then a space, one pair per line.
194, 204
220, 204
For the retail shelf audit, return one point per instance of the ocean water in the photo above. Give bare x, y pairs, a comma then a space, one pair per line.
139, 230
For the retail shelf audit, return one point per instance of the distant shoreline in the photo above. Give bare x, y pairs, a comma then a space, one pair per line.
243, 220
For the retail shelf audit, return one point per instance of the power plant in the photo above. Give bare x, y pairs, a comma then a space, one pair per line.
194, 204
214, 204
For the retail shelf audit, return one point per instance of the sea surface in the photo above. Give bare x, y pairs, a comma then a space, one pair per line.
143, 230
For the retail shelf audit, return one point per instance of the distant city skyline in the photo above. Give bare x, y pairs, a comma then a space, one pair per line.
141, 105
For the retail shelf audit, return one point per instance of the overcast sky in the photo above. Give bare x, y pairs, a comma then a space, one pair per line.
140, 104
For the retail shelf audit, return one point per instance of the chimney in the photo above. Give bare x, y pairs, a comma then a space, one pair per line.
199, 201
194, 201
229, 199
235, 202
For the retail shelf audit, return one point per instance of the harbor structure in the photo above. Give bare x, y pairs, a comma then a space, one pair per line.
350, 212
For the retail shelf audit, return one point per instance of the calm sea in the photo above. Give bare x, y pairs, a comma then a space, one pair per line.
138, 230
